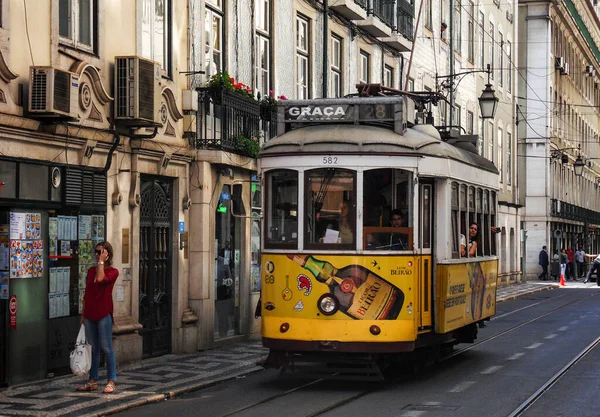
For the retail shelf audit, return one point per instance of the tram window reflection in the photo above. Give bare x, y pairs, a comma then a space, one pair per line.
281, 214
330, 208
387, 209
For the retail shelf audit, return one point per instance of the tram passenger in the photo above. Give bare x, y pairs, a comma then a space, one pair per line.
344, 226
399, 241
473, 234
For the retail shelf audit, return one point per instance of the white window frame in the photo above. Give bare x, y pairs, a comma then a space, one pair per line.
491, 49
388, 76
481, 39
74, 29
149, 7
470, 122
501, 59
336, 60
302, 57
500, 156
457, 29
364, 76
262, 44
508, 158
490, 140
509, 74
209, 44
262, 70
471, 33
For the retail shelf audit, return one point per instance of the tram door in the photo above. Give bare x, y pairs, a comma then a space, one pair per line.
426, 241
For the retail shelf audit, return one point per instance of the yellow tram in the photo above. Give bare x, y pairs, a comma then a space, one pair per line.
368, 220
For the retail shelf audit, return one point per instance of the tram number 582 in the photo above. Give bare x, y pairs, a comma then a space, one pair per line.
330, 160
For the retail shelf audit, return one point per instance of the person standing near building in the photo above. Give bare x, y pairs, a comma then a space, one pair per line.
97, 316
580, 259
570, 264
595, 267
544, 262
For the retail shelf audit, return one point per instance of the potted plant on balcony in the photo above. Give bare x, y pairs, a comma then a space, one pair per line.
249, 146
268, 104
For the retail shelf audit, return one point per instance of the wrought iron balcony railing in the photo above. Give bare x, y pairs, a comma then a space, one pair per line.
361, 3
384, 10
231, 121
569, 211
405, 17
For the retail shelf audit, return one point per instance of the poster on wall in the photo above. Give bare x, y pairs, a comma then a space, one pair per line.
21, 259
85, 227
4, 252
26, 249
3, 285
53, 236
17, 226
58, 292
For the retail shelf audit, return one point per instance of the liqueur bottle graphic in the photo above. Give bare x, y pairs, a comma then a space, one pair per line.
362, 294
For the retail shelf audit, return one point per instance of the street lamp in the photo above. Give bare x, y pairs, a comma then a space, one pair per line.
488, 102
578, 166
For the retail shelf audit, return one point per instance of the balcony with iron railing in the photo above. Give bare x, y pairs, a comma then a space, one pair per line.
233, 122
384, 10
405, 16
569, 211
350, 9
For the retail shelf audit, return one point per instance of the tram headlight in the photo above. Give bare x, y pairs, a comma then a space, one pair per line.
328, 304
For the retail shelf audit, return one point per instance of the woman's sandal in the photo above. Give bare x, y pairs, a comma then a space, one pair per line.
90, 386
110, 388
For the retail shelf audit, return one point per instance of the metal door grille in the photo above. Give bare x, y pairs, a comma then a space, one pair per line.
155, 266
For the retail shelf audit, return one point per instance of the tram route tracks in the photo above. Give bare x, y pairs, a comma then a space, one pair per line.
504, 332
553, 380
449, 356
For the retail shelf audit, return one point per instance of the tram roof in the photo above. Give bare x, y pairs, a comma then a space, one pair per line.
420, 140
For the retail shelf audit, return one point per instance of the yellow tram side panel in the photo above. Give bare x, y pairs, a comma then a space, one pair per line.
290, 294
466, 293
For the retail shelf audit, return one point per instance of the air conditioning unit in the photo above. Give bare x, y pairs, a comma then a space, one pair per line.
589, 69
559, 62
53, 93
565, 69
137, 91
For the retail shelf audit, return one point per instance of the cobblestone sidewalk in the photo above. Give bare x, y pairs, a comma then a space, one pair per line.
160, 378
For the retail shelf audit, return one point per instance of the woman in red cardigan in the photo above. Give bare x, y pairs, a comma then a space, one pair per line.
97, 316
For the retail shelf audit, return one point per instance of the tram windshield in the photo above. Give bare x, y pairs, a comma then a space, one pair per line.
330, 208
387, 220
281, 221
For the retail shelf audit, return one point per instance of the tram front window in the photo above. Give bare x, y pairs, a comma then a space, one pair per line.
281, 217
387, 207
330, 208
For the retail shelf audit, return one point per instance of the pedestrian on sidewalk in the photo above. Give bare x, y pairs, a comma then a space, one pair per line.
555, 271
570, 264
97, 316
594, 268
563, 262
580, 259
544, 262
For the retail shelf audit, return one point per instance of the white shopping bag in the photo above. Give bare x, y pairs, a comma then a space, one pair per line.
81, 356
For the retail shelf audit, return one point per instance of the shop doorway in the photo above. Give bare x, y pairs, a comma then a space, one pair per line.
228, 245
156, 219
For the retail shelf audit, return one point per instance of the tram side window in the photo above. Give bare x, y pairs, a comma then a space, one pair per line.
330, 208
387, 202
281, 214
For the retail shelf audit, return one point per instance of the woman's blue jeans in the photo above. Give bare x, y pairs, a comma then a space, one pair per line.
99, 335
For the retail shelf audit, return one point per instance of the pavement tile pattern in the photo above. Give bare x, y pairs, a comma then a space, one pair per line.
160, 378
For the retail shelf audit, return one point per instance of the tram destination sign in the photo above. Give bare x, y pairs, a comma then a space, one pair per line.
380, 111
329, 111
